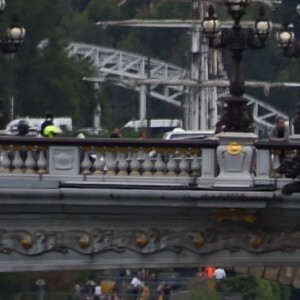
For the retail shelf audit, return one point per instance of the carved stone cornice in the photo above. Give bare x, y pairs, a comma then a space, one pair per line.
148, 242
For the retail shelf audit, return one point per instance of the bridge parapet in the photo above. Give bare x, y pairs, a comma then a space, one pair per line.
189, 163
107, 157
105, 203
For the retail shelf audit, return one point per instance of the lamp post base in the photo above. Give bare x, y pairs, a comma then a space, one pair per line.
235, 158
236, 116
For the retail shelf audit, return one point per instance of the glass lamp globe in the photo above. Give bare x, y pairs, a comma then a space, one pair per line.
235, 6
298, 9
263, 28
286, 38
16, 34
2, 5
211, 24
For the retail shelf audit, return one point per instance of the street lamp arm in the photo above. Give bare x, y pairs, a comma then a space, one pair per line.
293, 51
8, 47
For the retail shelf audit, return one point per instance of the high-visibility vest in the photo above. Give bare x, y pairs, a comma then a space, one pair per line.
209, 271
51, 130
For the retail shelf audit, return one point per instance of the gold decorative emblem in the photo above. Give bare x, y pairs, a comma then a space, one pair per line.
234, 148
141, 240
27, 243
198, 241
233, 215
255, 241
84, 242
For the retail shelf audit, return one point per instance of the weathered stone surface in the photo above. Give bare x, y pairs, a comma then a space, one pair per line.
243, 270
256, 271
231, 296
272, 273
286, 275
296, 282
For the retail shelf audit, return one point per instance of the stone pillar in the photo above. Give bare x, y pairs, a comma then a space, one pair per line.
235, 158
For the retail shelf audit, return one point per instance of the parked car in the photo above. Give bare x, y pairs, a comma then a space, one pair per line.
179, 134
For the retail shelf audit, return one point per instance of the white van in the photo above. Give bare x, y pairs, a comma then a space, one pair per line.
64, 123
180, 134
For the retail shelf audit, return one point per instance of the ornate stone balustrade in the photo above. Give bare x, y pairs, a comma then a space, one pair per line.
105, 157
190, 161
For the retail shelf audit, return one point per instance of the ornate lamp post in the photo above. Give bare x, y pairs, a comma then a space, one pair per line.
15, 34
236, 117
236, 144
287, 42
9, 44
291, 48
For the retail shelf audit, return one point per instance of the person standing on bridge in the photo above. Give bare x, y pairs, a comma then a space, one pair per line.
219, 127
280, 132
23, 128
49, 120
116, 133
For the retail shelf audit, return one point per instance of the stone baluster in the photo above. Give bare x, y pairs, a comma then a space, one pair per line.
135, 165
86, 163
122, 163
17, 162
195, 166
5, 160
147, 164
110, 163
159, 165
30, 163
183, 165
98, 164
171, 166
42, 163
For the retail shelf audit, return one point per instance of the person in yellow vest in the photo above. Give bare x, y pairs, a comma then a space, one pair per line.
51, 131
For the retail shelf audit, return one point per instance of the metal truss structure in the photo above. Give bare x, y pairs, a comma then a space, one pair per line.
124, 68
168, 82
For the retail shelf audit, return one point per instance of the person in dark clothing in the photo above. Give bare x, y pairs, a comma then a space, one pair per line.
219, 127
165, 290
23, 128
116, 133
48, 121
280, 132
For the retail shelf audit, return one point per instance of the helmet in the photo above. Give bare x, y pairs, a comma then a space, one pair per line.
51, 130
23, 127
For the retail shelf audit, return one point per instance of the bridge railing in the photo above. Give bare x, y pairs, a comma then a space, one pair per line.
106, 157
137, 160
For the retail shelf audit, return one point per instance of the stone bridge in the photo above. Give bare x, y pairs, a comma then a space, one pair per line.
71, 204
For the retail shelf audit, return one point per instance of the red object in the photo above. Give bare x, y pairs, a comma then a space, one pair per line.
209, 272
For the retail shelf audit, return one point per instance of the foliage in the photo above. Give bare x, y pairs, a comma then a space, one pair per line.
252, 288
255, 288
